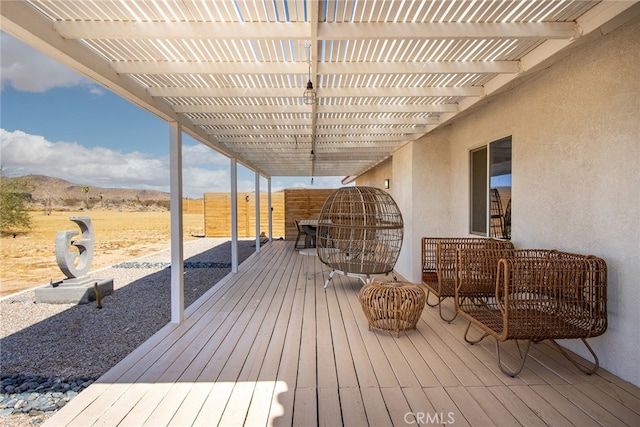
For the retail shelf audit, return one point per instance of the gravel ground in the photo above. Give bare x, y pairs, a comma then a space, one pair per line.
81, 341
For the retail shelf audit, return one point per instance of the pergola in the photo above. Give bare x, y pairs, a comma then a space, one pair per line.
235, 74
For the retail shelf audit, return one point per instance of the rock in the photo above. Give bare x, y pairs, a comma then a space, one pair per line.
6, 411
21, 403
49, 408
35, 395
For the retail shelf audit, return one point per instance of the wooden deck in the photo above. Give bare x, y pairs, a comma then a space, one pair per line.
269, 346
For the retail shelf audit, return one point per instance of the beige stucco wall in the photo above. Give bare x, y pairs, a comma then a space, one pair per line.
576, 176
376, 176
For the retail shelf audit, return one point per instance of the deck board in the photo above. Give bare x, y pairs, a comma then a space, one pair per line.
270, 346
444, 408
510, 401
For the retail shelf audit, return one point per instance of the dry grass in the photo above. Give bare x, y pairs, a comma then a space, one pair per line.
29, 259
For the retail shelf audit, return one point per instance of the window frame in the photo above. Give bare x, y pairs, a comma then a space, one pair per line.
491, 160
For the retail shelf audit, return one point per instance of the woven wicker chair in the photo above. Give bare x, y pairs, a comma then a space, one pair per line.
538, 295
360, 231
439, 265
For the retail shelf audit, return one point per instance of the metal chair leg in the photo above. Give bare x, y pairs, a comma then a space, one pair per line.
470, 341
596, 362
428, 303
448, 320
524, 359
326, 283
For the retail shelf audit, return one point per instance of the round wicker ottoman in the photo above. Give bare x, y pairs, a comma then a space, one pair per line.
392, 306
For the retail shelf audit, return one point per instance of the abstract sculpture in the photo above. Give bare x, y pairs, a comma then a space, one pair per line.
67, 259
74, 258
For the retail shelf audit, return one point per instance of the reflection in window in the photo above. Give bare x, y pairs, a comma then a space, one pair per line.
491, 190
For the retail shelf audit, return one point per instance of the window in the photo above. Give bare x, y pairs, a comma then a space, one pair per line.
491, 190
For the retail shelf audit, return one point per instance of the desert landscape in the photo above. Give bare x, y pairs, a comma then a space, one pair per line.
29, 259
127, 224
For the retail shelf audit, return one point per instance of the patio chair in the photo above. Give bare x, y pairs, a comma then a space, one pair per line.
497, 215
439, 265
360, 231
507, 221
538, 295
301, 235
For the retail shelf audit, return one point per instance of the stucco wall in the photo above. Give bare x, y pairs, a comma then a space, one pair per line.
375, 177
402, 191
430, 197
576, 179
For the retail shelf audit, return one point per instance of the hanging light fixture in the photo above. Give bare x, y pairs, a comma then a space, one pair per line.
309, 96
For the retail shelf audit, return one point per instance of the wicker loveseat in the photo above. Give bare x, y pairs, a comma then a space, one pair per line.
538, 295
439, 265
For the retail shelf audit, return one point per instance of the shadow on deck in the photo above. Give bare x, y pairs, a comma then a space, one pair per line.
270, 346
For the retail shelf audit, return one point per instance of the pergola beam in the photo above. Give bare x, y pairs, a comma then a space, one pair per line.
119, 30
329, 109
277, 139
298, 133
321, 68
330, 92
251, 124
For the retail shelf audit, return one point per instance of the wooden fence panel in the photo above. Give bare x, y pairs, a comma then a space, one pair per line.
303, 203
288, 205
217, 214
193, 206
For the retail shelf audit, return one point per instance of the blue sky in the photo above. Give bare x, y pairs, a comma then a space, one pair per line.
55, 122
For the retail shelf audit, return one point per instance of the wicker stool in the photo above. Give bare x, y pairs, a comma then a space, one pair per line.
392, 306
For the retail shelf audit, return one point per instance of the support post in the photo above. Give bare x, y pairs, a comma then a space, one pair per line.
177, 252
257, 185
270, 209
234, 215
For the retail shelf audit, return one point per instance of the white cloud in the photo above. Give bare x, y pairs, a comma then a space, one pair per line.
24, 154
28, 70
203, 169
200, 154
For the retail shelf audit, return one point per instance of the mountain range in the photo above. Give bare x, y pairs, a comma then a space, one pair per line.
53, 192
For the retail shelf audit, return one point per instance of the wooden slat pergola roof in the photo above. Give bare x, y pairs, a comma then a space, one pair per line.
233, 72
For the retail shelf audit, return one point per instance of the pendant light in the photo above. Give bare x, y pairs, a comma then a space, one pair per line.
309, 96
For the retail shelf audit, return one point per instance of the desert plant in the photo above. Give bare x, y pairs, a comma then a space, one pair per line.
14, 196
85, 190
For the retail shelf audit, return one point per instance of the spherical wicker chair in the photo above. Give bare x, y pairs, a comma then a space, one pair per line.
359, 232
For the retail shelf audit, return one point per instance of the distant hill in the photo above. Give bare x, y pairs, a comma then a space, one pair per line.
56, 193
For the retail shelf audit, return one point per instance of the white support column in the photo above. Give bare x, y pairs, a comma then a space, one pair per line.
177, 252
257, 212
234, 215
270, 209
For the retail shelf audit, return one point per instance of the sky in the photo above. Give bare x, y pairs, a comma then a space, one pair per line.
55, 122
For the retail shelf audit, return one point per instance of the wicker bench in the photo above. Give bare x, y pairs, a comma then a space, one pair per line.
538, 295
439, 265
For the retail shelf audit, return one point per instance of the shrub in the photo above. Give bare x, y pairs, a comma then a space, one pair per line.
15, 194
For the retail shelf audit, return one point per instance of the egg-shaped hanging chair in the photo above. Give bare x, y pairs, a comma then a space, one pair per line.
360, 231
